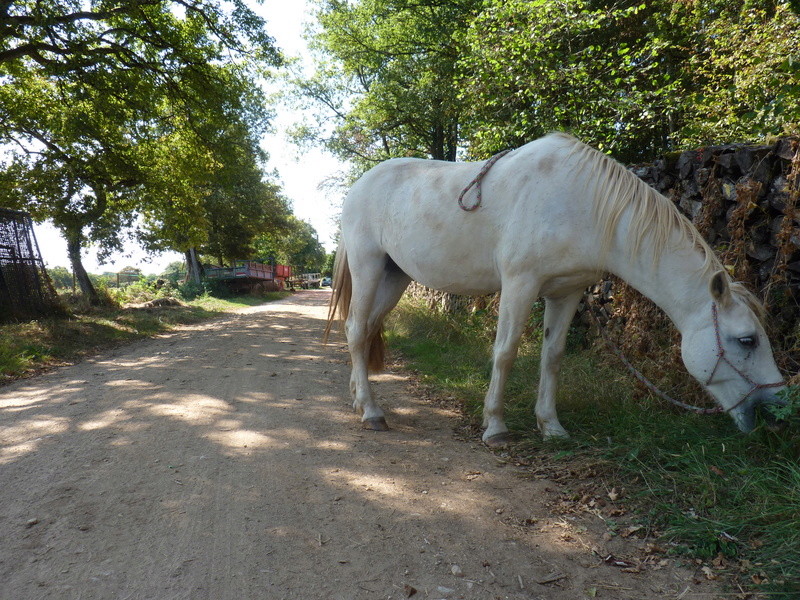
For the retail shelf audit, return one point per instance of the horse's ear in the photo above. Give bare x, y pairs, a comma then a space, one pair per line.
720, 288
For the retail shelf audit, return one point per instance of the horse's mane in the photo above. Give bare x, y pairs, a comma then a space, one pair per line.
654, 217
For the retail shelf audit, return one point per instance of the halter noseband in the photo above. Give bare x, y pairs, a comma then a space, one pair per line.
722, 358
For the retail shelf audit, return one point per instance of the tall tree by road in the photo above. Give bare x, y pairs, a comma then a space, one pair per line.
635, 78
93, 91
385, 78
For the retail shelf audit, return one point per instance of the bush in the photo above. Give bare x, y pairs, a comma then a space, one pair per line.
191, 290
144, 290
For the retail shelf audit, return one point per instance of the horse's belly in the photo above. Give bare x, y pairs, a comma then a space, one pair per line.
566, 283
443, 255
454, 277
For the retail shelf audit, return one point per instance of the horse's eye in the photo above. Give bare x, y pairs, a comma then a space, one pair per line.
748, 342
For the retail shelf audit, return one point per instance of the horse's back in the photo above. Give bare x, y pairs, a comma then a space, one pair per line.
408, 209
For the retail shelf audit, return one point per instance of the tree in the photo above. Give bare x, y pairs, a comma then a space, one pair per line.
92, 94
300, 247
746, 72
61, 277
604, 71
241, 210
385, 76
425, 77
634, 78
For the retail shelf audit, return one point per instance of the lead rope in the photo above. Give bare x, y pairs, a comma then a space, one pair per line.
720, 358
477, 182
647, 383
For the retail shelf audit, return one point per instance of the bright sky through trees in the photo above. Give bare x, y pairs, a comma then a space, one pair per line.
299, 173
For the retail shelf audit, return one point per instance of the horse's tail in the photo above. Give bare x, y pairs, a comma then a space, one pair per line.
339, 307
342, 286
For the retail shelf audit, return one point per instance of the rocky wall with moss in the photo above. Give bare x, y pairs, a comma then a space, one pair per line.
745, 201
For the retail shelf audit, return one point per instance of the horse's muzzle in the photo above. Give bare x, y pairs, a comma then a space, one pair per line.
757, 409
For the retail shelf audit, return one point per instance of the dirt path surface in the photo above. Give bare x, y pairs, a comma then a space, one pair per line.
223, 461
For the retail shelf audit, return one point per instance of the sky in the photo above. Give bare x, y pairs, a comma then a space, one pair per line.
299, 173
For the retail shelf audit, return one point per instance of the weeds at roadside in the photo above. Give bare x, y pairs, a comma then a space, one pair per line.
29, 347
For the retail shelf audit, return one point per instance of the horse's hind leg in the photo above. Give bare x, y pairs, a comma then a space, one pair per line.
391, 287
376, 290
558, 315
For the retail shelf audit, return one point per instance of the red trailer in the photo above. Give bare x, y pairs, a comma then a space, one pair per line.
251, 276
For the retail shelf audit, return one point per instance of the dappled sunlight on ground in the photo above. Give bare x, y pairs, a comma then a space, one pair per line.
224, 461
27, 435
244, 441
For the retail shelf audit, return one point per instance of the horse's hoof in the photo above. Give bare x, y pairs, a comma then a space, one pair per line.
498, 440
555, 434
375, 424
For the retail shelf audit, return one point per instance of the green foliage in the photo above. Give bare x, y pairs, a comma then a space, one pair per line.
296, 245
605, 73
330, 261
790, 411
633, 78
143, 290
745, 73
17, 358
61, 277
385, 73
691, 479
143, 108
174, 271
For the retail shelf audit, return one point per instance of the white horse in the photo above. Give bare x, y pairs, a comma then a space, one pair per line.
556, 214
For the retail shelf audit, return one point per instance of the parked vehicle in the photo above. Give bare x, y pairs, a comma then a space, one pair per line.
307, 281
251, 276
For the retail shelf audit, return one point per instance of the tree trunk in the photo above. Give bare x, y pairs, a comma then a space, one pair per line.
193, 269
437, 143
78, 270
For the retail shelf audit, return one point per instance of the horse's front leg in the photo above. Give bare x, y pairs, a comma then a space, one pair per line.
558, 315
515, 306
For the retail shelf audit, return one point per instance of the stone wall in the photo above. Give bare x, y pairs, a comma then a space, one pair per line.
743, 199
445, 302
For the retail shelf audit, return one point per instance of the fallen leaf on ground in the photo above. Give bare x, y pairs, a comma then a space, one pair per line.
709, 573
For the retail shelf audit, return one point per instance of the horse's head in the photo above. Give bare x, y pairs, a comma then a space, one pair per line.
729, 353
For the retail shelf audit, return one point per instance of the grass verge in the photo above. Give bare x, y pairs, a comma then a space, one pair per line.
29, 347
708, 492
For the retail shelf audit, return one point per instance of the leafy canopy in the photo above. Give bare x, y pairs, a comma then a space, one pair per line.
431, 78
111, 110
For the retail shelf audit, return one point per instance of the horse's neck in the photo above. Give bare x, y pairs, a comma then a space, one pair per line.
675, 282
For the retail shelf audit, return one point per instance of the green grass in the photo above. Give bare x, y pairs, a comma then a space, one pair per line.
705, 489
29, 347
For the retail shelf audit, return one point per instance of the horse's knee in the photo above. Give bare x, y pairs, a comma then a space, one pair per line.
504, 357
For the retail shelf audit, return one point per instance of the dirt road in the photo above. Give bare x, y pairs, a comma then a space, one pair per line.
223, 461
